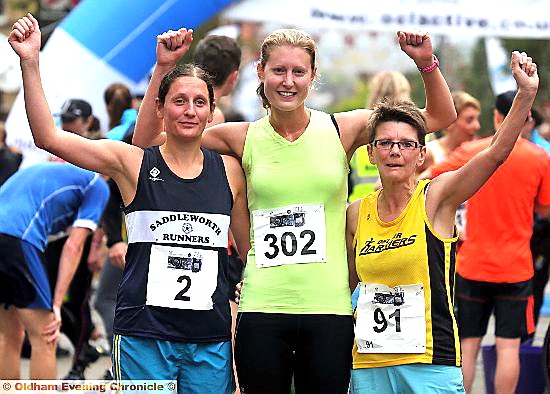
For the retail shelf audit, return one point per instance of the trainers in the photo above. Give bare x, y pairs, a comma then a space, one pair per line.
107, 375
76, 373
89, 355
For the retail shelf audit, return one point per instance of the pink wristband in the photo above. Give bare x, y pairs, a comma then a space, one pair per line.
431, 67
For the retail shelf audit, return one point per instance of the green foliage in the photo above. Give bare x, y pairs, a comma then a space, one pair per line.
476, 82
357, 100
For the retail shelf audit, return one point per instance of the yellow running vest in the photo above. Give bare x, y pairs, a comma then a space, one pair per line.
363, 174
398, 255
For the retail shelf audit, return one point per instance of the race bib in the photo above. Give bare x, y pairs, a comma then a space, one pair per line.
182, 278
294, 234
390, 320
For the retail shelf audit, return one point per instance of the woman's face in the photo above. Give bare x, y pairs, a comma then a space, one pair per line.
466, 124
287, 77
393, 161
186, 109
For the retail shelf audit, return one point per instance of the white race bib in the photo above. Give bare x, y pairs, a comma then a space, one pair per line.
390, 320
182, 278
293, 234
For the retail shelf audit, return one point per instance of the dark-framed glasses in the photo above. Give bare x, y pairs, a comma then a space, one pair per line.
402, 145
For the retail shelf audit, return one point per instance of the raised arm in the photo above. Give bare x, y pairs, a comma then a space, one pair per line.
452, 188
226, 139
107, 157
171, 47
439, 111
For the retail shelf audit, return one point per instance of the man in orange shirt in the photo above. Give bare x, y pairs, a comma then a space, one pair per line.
495, 266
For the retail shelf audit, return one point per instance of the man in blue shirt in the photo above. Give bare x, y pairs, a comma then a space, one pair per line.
36, 202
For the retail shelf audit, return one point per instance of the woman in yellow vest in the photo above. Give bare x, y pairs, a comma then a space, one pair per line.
401, 247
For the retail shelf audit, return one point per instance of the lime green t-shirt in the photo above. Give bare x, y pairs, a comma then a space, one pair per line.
297, 194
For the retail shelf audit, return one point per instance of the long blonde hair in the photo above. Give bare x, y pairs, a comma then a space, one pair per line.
388, 85
280, 37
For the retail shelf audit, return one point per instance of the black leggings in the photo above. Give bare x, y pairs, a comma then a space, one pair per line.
272, 347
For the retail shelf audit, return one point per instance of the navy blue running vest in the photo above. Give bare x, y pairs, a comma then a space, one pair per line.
175, 283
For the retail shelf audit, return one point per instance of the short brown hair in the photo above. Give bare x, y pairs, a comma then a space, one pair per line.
397, 111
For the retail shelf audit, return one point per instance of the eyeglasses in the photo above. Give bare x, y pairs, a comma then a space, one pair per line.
402, 145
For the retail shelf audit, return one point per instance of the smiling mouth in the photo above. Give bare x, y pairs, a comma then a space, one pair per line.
287, 94
188, 124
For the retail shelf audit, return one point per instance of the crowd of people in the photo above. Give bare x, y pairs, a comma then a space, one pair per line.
193, 206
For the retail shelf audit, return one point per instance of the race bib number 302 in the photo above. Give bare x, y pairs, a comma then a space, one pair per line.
182, 278
390, 319
293, 234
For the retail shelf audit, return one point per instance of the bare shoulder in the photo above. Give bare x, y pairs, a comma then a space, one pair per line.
353, 208
352, 215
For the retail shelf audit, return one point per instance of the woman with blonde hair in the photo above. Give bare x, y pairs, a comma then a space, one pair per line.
463, 129
295, 310
388, 84
363, 177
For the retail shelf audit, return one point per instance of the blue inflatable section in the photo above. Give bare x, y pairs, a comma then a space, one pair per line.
123, 32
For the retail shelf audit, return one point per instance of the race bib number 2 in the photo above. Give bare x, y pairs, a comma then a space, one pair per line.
293, 234
182, 278
391, 319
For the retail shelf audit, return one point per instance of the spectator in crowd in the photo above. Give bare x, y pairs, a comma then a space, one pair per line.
122, 114
463, 129
496, 266
10, 158
38, 201
220, 56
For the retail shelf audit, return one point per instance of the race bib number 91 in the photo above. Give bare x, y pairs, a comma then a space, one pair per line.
390, 320
293, 234
182, 278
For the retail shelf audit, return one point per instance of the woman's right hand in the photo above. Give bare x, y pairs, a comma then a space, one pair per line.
172, 46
